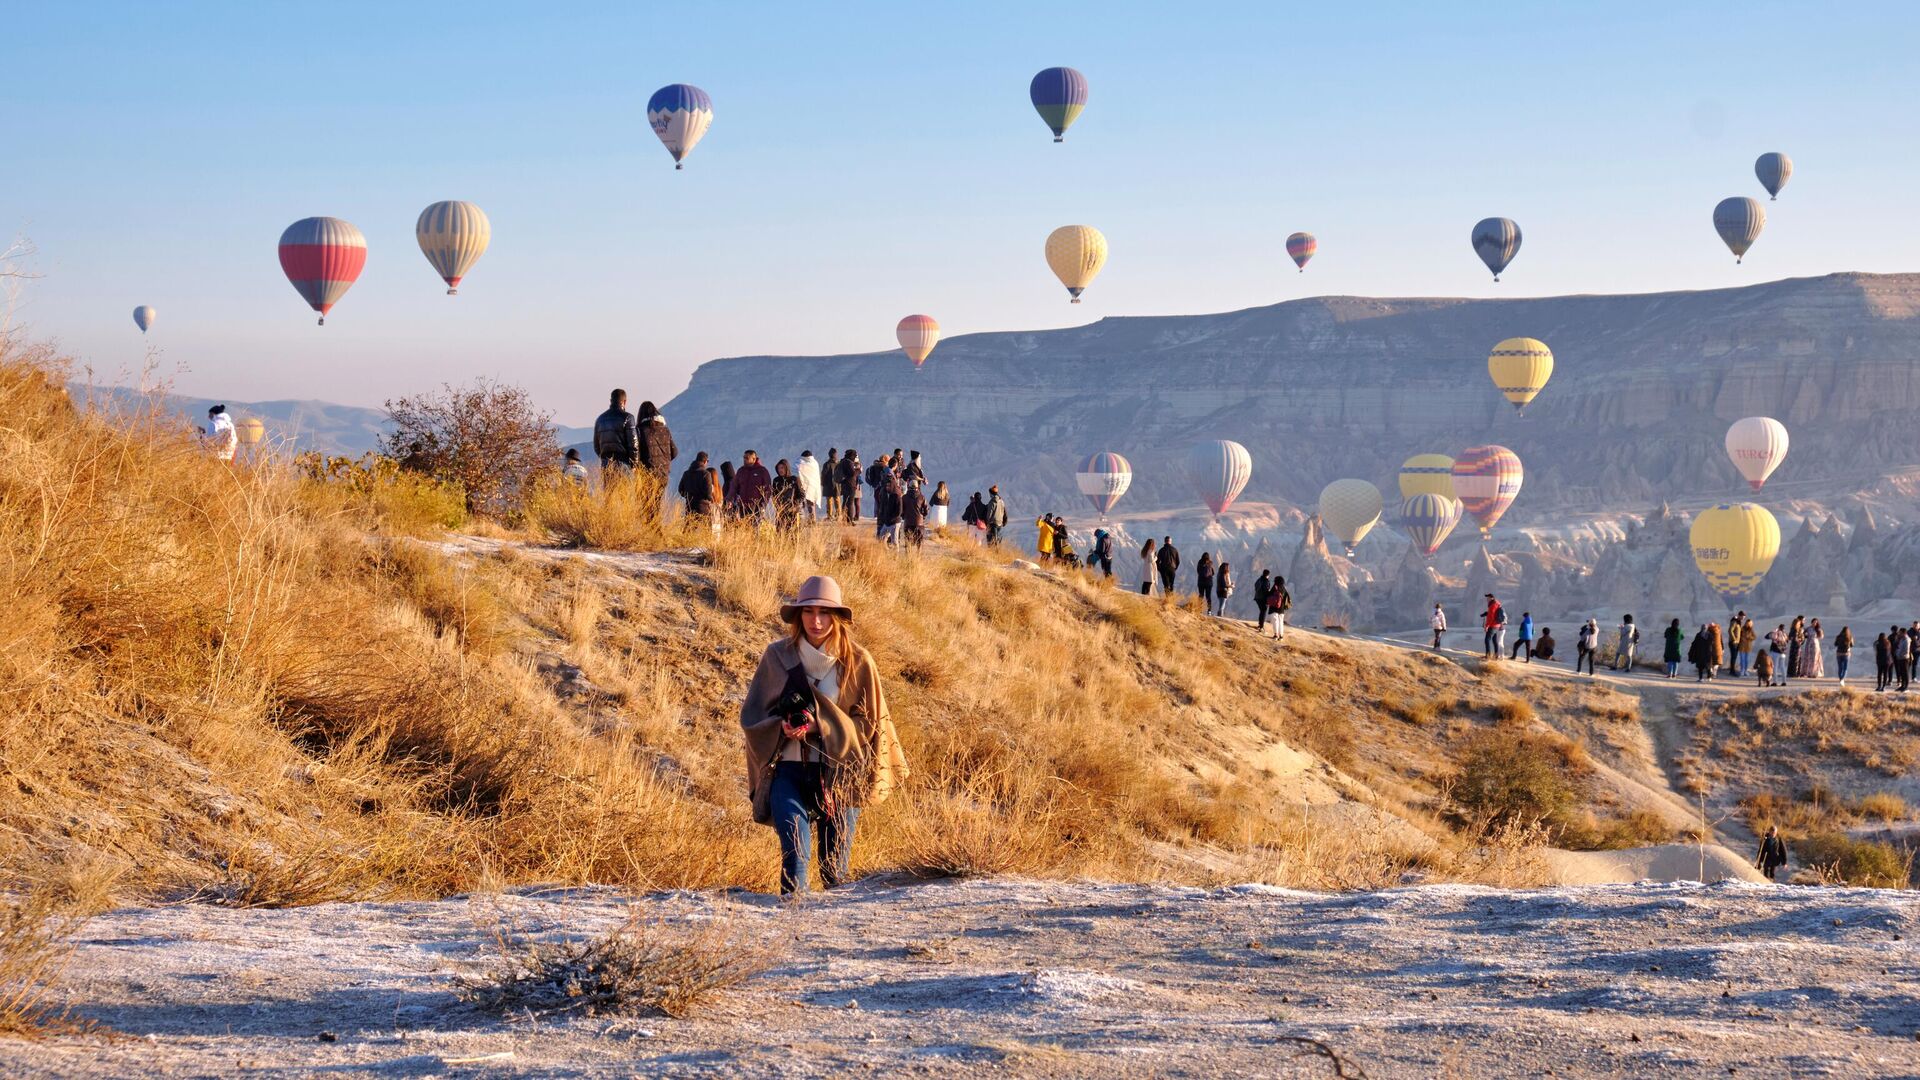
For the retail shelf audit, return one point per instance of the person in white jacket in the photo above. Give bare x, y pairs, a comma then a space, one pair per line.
809, 473
1439, 624
221, 440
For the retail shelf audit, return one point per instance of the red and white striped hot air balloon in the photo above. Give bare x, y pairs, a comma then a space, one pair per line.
1757, 445
917, 334
1103, 478
1219, 471
322, 257
1487, 480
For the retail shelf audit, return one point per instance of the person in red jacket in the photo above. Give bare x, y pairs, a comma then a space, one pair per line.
1495, 624
752, 487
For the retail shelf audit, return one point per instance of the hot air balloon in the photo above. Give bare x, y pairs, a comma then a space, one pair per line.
143, 317
1773, 170
1219, 471
1103, 478
1076, 253
1350, 509
1300, 248
1496, 240
917, 334
250, 430
1427, 474
1520, 366
1487, 479
1757, 445
453, 236
1734, 545
322, 257
1739, 220
1059, 93
679, 114
1427, 519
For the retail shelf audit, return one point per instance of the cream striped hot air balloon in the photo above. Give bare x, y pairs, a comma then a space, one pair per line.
1076, 253
917, 334
1350, 509
1757, 445
1427, 474
453, 236
1219, 470
1520, 366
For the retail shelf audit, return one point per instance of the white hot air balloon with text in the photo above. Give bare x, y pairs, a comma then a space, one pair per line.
1757, 445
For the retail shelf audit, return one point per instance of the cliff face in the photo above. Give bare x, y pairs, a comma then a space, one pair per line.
1643, 389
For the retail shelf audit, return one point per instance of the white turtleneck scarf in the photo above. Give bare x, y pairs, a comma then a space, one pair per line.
824, 673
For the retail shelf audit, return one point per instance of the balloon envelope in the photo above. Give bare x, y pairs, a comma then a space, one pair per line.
1300, 248
143, 317
453, 236
1103, 478
679, 115
1219, 471
1487, 479
1427, 474
1427, 519
1350, 509
1734, 545
1739, 220
917, 334
322, 257
250, 430
1076, 253
1773, 169
1757, 445
1496, 240
1059, 94
1520, 367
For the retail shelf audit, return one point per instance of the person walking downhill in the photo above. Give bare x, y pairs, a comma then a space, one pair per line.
615, 439
1671, 654
1773, 853
1882, 663
937, 507
1203, 581
1168, 561
1262, 590
1629, 641
694, 490
1816, 664
1494, 622
1149, 566
1584, 649
996, 514
821, 745
1523, 639
1223, 587
1842, 652
1777, 646
1279, 601
655, 445
808, 470
1439, 624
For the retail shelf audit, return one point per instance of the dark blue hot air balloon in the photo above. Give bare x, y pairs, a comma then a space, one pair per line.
1059, 93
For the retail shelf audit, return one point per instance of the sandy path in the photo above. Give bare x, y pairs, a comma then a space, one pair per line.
988, 978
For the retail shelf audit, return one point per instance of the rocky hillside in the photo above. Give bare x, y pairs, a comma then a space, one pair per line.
1317, 389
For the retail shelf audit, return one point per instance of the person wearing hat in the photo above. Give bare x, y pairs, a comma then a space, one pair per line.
820, 743
574, 469
221, 437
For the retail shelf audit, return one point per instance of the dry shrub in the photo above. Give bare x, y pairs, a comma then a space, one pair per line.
626, 514
1421, 712
1510, 776
652, 963
1583, 831
1139, 620
991, 827
487, 439
36, 931
1839, 857
375, 491
1513, 710
1885, 805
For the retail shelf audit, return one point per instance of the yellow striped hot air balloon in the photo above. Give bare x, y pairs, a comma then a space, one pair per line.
250, 430
1076, 253
1520, 366
1734, 545
453, 236
1427, 474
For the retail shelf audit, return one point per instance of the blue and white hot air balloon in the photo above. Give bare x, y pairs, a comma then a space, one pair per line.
143, 317
679, 114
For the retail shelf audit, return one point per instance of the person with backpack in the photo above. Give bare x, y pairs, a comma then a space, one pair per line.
615, 438
1101, 554
1168, 563
1223, 587
1494, 621
1279, 602
1523, 638
974, 517
1262, 589
1629, 641
1439, 624
1584, 645
1203, 581
996, 514
1149, 566
1670, 653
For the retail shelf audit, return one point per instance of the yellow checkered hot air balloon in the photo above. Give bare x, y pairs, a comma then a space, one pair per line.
1734, 545
1076, 253
1427, 474
1520, 366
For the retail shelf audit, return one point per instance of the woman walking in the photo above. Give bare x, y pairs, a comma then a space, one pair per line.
820, 743
1773, 853
1148, 561
1816, 667
1671, 654
1715, 649
1223, 587
1842, 651
1203, 574
1439, 624
937, 507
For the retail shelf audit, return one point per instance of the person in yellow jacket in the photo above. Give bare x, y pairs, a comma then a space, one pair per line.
1045, 525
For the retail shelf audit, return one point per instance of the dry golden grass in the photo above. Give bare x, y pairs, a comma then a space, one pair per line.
36, 929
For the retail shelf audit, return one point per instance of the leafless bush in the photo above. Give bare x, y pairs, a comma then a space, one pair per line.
488, 438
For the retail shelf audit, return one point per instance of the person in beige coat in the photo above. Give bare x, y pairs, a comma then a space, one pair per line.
820, 744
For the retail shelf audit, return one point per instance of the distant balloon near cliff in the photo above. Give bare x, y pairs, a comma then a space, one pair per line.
1219, 470
1427, 519
1103, 478
1757, 445
917, 335
1734, 545
1300, 248
1773, 169
1496, 240
1427, 474
1487, 480
1076, 253
679, 114
1520, 368
143, 317
1350, 509
1739, 220
1059, 95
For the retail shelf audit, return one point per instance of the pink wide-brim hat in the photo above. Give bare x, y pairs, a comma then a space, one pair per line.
818, 591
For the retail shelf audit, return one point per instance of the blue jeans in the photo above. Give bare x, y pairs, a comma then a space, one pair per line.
1840, 665
794, 819
1673, 668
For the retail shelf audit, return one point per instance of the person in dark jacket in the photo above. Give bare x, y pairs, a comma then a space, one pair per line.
830, 484
1773, 853
726, 488
614, 436
1543, 648
1167, 561
913, 515
975, 517
887, 497
787, 498
1700, 655
911, 472
1279, 602
655, 444
1203, 580
1670, 655
1101, 555
850, 485
693, 488
1882, 663
1262, 589
752, 487
996, 514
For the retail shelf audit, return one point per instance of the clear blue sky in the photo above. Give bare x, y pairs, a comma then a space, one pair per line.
867, 161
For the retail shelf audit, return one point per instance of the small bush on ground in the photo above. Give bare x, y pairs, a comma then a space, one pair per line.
1885, 805
36, 929
487, 438
626, 514
1510, 776
1856, 862
376, 491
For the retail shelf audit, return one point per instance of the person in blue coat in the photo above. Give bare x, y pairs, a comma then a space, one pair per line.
1523, 641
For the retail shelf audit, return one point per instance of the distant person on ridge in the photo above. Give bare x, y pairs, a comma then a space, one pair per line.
1044, 544
573, 469
1586, 645
1796, 641
716, 499
1203, 581
787, 499
1523, 639
850, 486
615, 439
1262, 589
1439, 624
1629, 641
694, 490
726, 488
1777, 645
1882, 663
1279, 602
1222, 588
913, 473
1842, 652
1063, 542
752, 487
655, 444
1903, 657
937, 507
913, 514
996, 514
1494, 622
1543, 648
1168, 562
1743, 639
808, 470
974, 517
221, 438
1700, 655
1815, 664
1671, 653
1149, 566
1101, 553
1773, 853
830, 485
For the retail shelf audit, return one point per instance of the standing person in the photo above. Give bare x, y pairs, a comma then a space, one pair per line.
752, 486
1629, 640
1903, 657
1063, 542
1842, 652
1716, 648
830, 484
937, 507
573, 469
1203, 581
850, 486
809, 473
1101, 554
996, 514
1149, 565
913, 472
1584, 645
726, 488
1777, 646
820, 742
1494, 622
1763, 669
1773, 853
1700, 655
694, 489
1044, 545
1882, 663
974, 517
655, 445
1523, 638
888, 500
1743, 639
221, 438
615, 439
1796, 645
1543, 648
787, 498
1223, 587
1439, 624
1816, 667
1262, 589
1670, 654
913, 514
1279, 601
1168, 561
716, 499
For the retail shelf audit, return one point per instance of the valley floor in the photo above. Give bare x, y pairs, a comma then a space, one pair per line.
998, 977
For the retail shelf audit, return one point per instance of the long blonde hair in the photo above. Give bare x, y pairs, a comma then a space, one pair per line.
838, 643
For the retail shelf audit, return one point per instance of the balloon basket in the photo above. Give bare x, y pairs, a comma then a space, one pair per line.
678, 166
453, 292
1059, 138
1075, 300
323, 320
